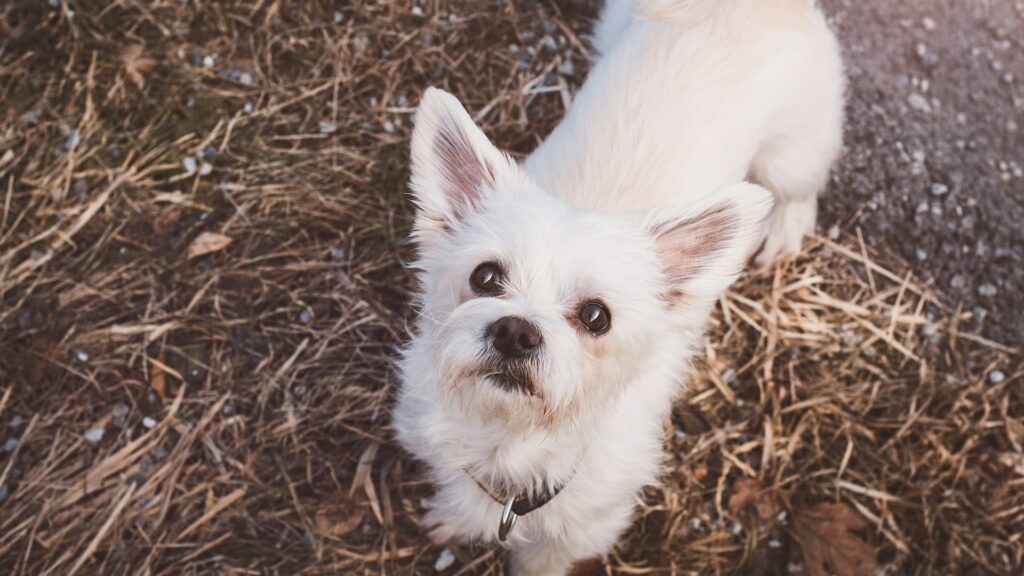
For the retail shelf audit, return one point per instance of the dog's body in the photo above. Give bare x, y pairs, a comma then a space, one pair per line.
561, 300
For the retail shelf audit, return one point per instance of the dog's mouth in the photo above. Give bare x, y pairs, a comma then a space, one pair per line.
511, 376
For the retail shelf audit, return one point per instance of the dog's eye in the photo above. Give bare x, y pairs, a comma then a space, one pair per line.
486, 279
595, 317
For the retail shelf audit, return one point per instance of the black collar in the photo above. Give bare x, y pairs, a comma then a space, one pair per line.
523, 504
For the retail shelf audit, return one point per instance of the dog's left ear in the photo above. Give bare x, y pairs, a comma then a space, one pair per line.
453, 164
704, 245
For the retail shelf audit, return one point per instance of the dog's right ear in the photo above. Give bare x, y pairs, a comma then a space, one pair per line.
453, 165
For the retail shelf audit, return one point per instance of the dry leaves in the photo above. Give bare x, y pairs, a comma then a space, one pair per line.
206, 243
136, 65
755, 505
336, 521
158, 379
824, 532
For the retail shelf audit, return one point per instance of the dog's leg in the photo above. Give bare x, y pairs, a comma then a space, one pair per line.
795, 168
541, 559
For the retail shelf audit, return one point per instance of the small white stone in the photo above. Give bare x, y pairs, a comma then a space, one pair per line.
987, 290
248, 107
939, 189
148, 422
205, 168
919, 103
417, 11
339, 17
327, 127
94, 435
81, 355
208, 61
996, 376
245, 78
444, 560
189, 164
928, 23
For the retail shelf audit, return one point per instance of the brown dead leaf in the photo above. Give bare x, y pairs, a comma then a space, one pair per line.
336, 521
136, 65
158, 379
206, 243
754, 504
1014, 461
824, 532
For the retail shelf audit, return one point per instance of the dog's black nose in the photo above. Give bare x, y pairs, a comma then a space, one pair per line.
514, 337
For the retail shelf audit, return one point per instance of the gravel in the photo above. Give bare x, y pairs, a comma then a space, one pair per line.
952, 173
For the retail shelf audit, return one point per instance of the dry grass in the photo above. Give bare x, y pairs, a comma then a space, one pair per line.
243, 393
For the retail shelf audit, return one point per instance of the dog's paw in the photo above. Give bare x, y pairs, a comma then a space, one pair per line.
439, 527
785, 230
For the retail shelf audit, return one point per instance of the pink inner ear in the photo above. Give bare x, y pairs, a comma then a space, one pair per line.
685, 247
462, 173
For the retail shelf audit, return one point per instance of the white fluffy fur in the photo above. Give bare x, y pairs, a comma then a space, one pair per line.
633, 200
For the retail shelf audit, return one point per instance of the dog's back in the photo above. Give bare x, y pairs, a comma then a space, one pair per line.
616, 14
691, 95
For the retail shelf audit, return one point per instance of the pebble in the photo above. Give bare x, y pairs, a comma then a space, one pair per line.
919, 103
327, 127
729, 375
94, 435
567, 68
339, 254
339, 17
549, 43
928, 23
987, 290
305, 316
11, 445
148, 422
248, 108
444, 560
389, 127
16, 421
74, 138
189, 164
921, 254
81, 355
939, 189
996, 376
28, 117
417, 11
205, 169
833, 232
208, 61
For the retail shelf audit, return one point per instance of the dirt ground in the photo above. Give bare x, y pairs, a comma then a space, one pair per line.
203, 283
934, 166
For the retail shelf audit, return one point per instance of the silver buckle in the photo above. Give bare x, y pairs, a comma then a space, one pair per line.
508, 520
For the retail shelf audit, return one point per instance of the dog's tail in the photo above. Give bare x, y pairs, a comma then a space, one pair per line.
691, 12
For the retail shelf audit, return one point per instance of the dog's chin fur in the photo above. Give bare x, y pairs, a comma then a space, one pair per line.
632, 202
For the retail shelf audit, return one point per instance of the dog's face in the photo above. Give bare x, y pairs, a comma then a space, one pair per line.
534, 309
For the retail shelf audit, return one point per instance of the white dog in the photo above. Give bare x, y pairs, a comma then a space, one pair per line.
561, 299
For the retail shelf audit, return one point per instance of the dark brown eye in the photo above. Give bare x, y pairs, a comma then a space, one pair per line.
486, 279
595, 317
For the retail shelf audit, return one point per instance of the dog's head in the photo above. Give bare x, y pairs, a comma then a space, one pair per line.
531, 308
